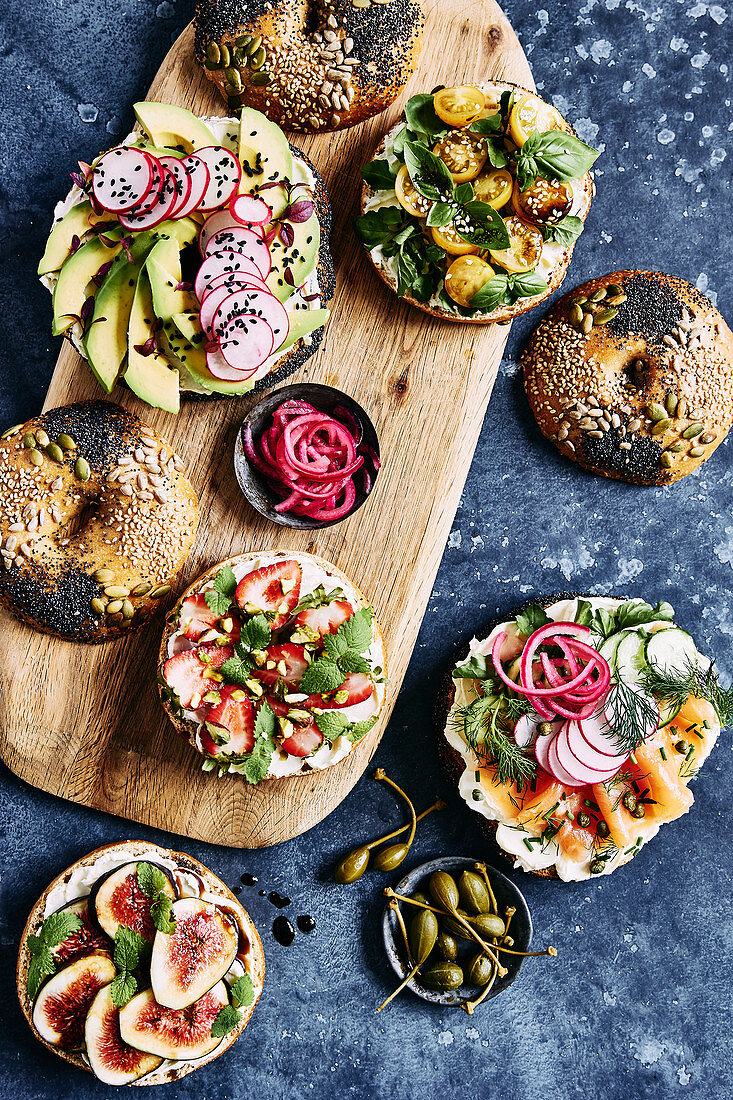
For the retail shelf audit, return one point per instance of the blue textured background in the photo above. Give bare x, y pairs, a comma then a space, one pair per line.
637, 1001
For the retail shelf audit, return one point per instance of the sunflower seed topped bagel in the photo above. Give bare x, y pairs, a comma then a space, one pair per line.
96, 519
631, 375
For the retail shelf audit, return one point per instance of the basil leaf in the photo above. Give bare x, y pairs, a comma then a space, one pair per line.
440, 213
531, 619
422, 119
557, 155
378, 175
527, 284
506, 102
398, 142
463, 192
490, 125
480, 224
429, 175
491, 294
380, 226
566, 232
497, 154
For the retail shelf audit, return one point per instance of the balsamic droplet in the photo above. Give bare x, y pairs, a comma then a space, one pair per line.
278, 900
236, 889
262, 893
248, 880
306, 923
283, 931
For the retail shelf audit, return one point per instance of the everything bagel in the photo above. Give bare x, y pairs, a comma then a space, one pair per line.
96, 519
310, 66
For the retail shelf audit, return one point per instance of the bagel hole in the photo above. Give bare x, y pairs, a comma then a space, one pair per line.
637, 373
76, 523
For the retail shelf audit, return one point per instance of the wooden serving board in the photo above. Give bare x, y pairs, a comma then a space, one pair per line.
84, 722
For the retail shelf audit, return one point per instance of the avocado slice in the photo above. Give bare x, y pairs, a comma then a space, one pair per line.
300, 257
164, 271
167, 125
149, 376
264, 152
76, 223
303, 322
189, 326
74, 284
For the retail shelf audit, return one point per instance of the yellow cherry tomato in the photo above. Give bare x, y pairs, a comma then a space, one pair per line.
525, 247
544, 203
494, 187
446, 238
463, 154
409, 197
465, 277
459, 106
531, 113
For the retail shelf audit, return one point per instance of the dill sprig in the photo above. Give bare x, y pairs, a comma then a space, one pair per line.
675, 686
484, 724
631, 716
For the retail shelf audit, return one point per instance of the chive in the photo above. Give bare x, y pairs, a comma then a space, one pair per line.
632, 758
591, 804
706, 724
697, 733
690, 753
690, 728
662, 753
547, 814
635, 785
530, 840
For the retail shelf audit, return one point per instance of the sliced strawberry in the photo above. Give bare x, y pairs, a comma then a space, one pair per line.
234, 715
196, 617
286, 655
357, 686
274, 587
326, 619
186, 672
304, 739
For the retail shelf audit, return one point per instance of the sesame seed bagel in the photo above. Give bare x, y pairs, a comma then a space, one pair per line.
310, 66
631, 375
96, 519
113, 855
554, 258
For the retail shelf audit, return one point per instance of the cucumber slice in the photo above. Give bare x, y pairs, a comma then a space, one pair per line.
668, 711
671, 651
609, 647
629, 658
513, 669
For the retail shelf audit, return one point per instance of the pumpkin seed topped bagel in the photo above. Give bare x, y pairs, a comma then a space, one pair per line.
631, 375
96, 518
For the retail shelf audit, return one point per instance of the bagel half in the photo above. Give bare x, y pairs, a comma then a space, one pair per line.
115, 855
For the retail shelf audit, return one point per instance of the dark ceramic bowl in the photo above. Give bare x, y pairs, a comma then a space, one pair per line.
506, 894
253, 484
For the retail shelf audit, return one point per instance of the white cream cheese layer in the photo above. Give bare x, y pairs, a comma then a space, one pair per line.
475, 785
314, 574
226, 132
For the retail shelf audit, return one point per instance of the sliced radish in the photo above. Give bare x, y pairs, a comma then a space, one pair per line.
249, 211
247, 345
212, 300
222, 263
153, 194
525, 731
556, 768
542, 748
235, 238
234, 281
253, 301
182, 181
221, 219
581, 770
199, 176
596, 732
587, 754
122, 178
219, 367
225, 172
159, 211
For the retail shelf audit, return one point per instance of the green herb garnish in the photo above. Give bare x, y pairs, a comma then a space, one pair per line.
55, 929
242, 995
553, 155
220, 596
485, 723
153, 882
129, 947
675, 687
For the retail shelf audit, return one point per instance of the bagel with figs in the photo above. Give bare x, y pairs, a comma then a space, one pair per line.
472, 204
139, 965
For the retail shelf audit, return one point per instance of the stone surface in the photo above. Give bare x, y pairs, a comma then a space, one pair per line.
635, 1002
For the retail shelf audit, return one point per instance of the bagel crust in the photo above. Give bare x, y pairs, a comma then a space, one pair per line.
308, 66
92, 535
139, 850
645, 397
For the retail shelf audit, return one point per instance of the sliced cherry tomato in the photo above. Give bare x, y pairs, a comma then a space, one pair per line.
494, 187
288, 662
463, 154
409, 197
532, 113
525, 247
446, 237
459, 106
465, 277
544, 203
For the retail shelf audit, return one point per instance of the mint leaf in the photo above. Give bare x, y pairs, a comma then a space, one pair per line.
160, 911
129, 946
357, 631
526, 284
122, 989
335, 645
491, 294
256, 633
331, 724
242, 992
227, 1019
257, 764
565, 232
422, 118
354, 662
220, 596
41, 966
322, 676
265, 721
378, 175
474, 669
360, 729
58, 927
429, 175
531, 619
237, 669
150, 879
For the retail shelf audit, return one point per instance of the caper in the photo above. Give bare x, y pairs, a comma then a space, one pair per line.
597, 867
387, 859
682, 746
629, 801
420, 896
602, 828
545, 729
487, 924
480, 969
450, 924
443, 890
583, 819
473, 893
423, 934
639, 810
444, 976
447, 946
352, 866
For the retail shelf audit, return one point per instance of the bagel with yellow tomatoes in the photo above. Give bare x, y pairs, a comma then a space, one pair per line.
472, 204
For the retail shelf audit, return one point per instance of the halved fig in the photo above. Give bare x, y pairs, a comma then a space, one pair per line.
87, 940
117, 899
111, 1058
190, 960
170, 1033
61, 1008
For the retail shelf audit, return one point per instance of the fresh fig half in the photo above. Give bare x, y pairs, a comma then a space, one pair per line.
190, 960
61, 1008
87, 940
117, 899
110, 1057
170, 1033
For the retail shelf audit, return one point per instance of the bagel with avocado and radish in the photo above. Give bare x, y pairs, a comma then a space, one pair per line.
472, 204
575, 727
192, 258
139, 965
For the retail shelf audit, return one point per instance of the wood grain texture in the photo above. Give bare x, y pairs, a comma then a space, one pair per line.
84, 722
